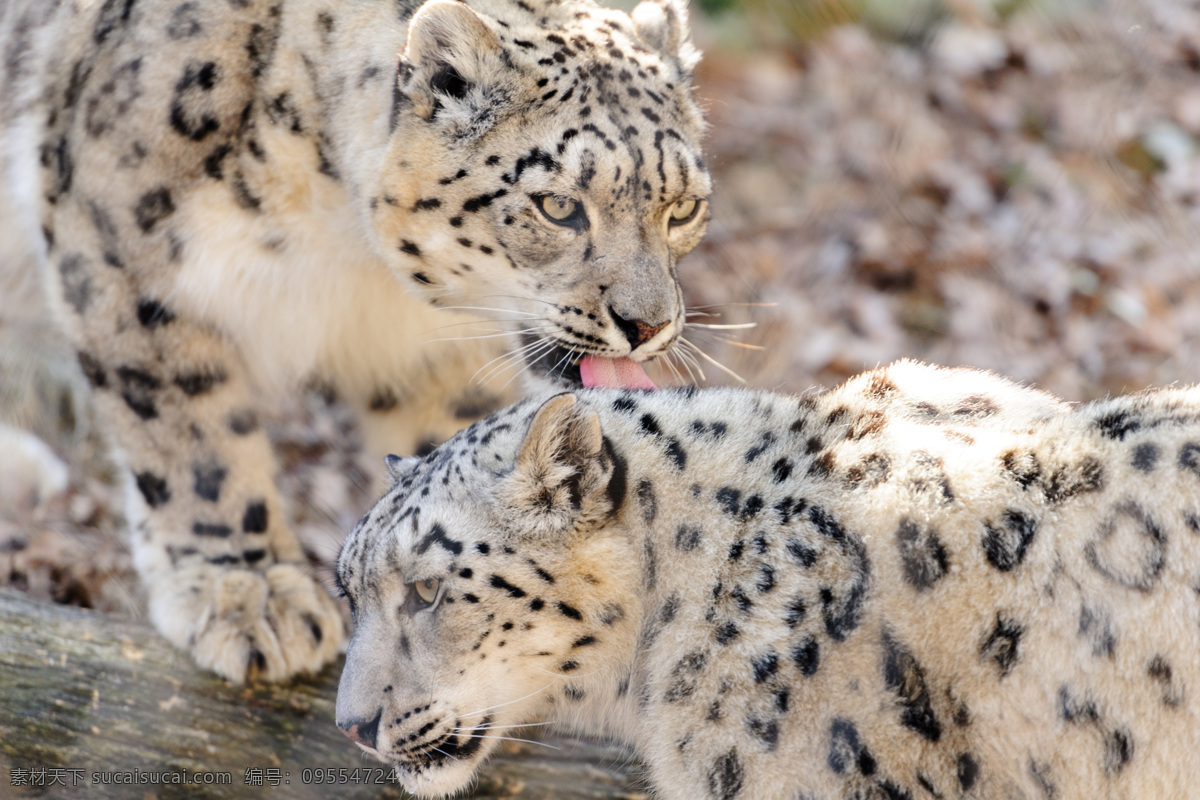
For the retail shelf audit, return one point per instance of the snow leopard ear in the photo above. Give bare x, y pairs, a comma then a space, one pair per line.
566, 476
398, 468
450, 49
662, 25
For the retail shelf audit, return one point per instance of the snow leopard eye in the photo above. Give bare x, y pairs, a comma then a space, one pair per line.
560, 210
684, 211
424, 594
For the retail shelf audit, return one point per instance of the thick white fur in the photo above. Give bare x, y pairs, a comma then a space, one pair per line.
925, 582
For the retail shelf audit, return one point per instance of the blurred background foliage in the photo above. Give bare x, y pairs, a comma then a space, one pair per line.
802, 22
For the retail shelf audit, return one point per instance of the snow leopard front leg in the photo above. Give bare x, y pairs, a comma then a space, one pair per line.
226, 578
129, 127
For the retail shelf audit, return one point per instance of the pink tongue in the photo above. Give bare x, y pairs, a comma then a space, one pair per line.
613, 373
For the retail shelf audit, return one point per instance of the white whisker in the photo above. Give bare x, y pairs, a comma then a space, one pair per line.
447, 755
503, 727
509, 703
492, 335
530, 358
712, 360
486, 321
566, 357
674, 370
712, 337
737, 305
675, 355
511, 739
729, 327
526, 365
519, 297
687, 358
743, 345
505, 356
526, 355
503, 360
485, 308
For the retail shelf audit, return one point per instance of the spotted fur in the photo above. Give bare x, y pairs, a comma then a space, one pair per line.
234, 199
923, 583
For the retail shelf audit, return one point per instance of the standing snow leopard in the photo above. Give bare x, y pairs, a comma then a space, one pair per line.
232, 198
924, 583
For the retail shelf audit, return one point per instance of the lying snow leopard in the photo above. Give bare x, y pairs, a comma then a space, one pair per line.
924, 583
234, 198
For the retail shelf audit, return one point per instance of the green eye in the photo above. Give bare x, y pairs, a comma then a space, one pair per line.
558, 209
683, 211
427, 590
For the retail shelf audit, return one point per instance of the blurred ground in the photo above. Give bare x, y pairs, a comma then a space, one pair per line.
1019, 194
1010, 185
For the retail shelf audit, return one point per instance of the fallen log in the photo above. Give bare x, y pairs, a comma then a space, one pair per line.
97, 707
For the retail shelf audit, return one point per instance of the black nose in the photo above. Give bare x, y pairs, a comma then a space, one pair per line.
361, 732
636, 332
